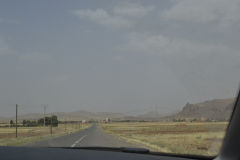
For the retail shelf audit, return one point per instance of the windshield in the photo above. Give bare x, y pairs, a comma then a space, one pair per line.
160, 75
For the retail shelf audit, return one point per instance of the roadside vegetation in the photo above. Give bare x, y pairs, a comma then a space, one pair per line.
28, 134
197, 138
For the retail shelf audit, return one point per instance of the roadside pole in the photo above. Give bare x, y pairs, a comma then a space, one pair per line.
65, 125
16, 120
51, 126
44, 121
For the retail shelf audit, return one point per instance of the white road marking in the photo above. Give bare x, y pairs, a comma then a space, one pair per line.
79, 140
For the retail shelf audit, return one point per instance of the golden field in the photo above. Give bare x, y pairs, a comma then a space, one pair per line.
31, 134
198, 138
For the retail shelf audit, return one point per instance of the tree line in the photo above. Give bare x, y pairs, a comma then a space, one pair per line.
53, 120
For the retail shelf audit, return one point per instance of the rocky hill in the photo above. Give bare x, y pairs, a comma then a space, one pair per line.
217, 109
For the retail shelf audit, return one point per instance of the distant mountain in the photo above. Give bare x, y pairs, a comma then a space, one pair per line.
217, 109
71, 116
150, 115
3, 118
80, 115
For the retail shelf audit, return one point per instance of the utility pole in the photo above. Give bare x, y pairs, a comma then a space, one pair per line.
51, 126
16, 120
65, 125
44, 115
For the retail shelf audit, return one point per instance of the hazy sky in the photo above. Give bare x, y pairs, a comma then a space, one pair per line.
118, 56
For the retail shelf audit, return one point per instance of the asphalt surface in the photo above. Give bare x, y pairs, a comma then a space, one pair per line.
90, 137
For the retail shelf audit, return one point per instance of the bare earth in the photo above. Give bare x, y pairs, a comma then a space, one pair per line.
199, 138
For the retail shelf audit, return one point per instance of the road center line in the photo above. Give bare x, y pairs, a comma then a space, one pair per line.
78, 141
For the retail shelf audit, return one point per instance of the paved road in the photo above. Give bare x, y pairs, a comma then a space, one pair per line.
93, 136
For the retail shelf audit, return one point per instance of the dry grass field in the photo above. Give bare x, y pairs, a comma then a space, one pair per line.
199, 138
31, 134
